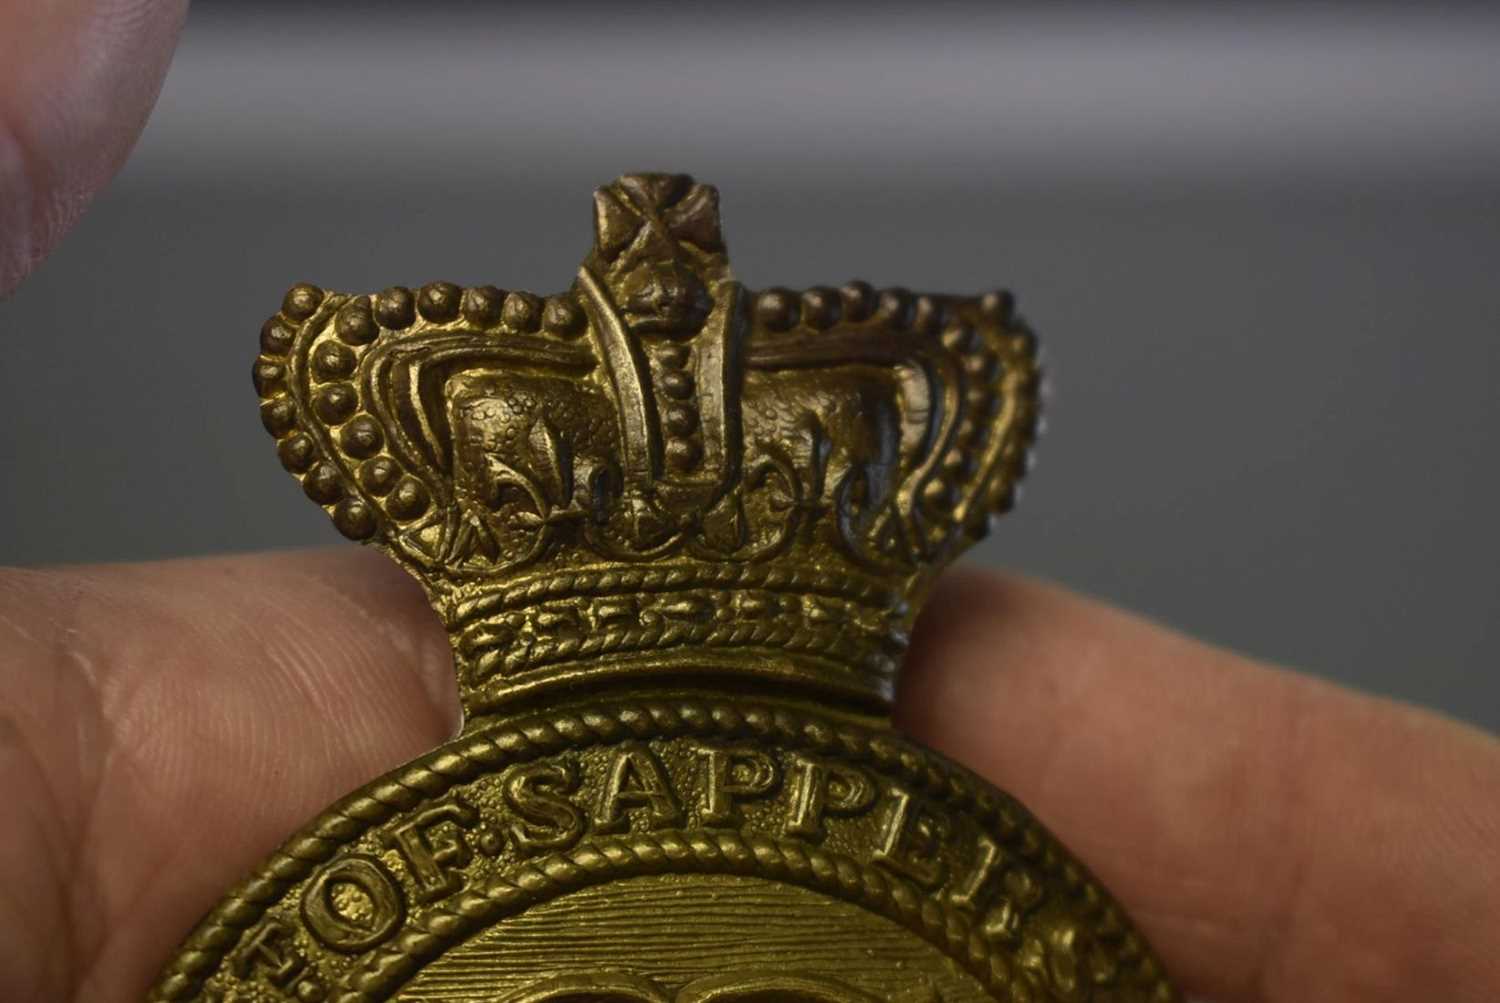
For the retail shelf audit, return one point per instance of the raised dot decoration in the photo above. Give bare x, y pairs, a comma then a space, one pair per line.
927, 315
322, 484
481, 305
673, 356
379, 475
959, 463
332, 361
335, 403
354, 324
301, 301
354, 519
296, 452
409, 499
683, 454
983, 366
521, 313
998, 306
894, 307
309, 991
276, 337
439, 301
268, 377
361, 437
858, 300
396, 308
677, 384
939, 494
562, 316
279, 416
680, 419
776, 309
821, 307
960, 337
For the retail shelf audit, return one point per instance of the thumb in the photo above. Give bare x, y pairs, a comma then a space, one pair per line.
77, 80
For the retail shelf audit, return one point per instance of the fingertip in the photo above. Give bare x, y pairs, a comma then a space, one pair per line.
77, 81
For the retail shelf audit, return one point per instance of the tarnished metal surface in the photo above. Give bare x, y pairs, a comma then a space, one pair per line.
678, 532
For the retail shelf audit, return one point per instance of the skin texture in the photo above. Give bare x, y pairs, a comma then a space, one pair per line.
1277, 838
77, 79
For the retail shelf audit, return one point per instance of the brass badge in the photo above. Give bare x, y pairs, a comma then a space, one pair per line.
678, 532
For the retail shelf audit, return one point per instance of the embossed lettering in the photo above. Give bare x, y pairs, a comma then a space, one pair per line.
353, 904
821, 788
433, 856
911, 842
966, 894
636, 780
729, 774
548, 820
268, 950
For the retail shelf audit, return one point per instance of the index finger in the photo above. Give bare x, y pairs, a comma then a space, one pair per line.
1276, 837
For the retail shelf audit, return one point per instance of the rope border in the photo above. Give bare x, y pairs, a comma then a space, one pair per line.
467, 757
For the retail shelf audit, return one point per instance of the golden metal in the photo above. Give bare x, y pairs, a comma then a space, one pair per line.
678, 532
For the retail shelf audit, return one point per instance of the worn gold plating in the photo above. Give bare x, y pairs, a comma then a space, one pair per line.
678, 532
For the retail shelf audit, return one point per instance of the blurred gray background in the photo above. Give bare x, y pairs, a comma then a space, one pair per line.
1260, 244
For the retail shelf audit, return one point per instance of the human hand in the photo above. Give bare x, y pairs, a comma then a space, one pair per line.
164, 726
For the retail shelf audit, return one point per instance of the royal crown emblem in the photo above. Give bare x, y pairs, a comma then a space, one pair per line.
678, 532
657, 465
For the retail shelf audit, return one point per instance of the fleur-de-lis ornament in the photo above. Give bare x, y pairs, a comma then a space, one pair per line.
678, 532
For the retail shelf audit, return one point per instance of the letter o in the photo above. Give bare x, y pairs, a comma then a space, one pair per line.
336, 929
